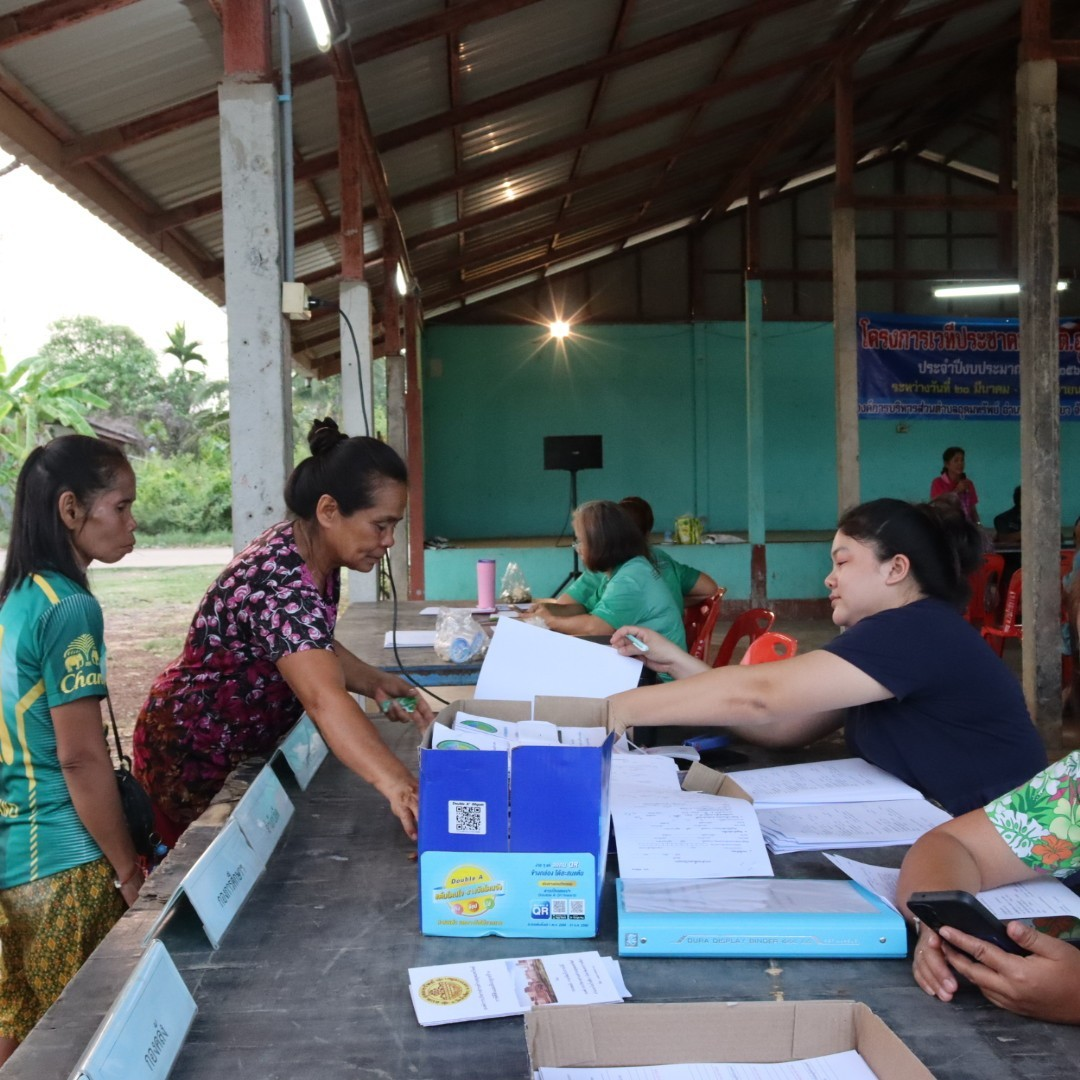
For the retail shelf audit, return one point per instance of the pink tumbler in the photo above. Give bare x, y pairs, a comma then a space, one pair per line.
485, 584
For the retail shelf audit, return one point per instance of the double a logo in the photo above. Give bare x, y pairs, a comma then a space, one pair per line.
541, 909
79, 655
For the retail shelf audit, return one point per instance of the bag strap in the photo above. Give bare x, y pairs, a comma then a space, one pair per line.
124, 759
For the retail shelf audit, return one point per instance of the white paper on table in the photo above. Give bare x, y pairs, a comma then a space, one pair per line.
448, 993
749, 896
689, 835
846, 780
1022, 900
846, 1065
410, 639
876, 824
524, 661
635, 776
880, 880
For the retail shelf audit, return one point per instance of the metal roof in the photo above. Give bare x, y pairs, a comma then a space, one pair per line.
518, 137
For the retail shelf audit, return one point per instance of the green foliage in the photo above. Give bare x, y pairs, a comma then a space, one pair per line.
31, 400
184, 493
114, 361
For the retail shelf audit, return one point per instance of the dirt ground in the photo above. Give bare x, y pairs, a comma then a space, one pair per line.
140, 643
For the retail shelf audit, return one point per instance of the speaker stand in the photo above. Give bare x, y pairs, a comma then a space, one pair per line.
576, 572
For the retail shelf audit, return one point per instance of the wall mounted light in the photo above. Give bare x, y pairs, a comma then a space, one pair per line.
559, 328
989, 288
401, 281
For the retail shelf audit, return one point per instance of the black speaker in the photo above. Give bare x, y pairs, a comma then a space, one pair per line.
573, 452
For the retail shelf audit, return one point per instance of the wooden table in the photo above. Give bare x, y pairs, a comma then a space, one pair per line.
311, 977
363, 627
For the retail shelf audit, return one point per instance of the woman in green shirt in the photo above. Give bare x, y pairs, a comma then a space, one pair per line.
68, 867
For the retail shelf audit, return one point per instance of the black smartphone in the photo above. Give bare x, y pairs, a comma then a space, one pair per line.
963, 912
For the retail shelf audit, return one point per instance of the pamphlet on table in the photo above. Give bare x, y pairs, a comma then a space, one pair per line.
451, 993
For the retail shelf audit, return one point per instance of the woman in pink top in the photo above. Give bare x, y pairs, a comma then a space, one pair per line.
953, 481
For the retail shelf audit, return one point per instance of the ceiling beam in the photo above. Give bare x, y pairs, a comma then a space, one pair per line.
204, 107
17, 27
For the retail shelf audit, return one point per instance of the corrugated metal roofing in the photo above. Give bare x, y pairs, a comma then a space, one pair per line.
517, 137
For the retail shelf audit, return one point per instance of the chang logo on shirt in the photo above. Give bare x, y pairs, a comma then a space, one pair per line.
81, 653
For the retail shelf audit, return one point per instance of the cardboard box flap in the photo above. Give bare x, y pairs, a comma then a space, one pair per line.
571, 711
701, 778
494, 710
748, 1031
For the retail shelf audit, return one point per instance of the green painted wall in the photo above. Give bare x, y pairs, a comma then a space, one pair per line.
669, 401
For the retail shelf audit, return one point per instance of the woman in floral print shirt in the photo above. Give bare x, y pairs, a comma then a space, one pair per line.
261, 648
1028, 833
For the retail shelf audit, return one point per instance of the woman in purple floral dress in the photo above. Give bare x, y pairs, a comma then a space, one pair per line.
1026, 834
261, 649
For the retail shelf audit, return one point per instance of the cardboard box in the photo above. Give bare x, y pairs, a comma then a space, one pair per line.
715, 1031
515, 843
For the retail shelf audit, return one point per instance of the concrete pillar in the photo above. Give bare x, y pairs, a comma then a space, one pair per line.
1040, 507
260, 360
414, 418
395, 411
700, 375
357, 398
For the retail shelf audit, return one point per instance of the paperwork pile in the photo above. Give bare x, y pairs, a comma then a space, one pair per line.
849, 825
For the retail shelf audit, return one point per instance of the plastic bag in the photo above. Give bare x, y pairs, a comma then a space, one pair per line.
515, 589
458, 636
688, 529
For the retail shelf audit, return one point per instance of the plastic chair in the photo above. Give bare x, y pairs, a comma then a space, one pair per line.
750, 624
985, 586
770, 646
996, 636
699, 620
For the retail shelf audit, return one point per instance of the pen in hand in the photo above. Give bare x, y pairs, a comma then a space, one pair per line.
637, 643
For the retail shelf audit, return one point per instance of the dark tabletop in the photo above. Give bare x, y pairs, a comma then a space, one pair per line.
311, 978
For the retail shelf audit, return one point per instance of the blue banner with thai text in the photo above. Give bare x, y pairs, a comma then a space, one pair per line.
952, 368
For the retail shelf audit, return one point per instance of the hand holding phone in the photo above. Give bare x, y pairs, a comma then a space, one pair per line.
965, 913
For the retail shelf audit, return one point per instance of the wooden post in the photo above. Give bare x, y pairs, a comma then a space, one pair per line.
755, 405
414, 422
845, 341
1037, 221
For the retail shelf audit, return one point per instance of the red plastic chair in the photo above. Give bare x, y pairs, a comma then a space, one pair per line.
770, 646
996, 636
750, 624
699, 621
985, 586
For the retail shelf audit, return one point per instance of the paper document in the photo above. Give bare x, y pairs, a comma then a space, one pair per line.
450, 993
1023, 900
688, 835
523, 661
771, 896
846, 825
847, 780
847, 1065
635, 776
410, 639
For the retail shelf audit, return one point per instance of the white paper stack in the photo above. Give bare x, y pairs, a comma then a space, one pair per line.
450, 993
846, 780
848, 825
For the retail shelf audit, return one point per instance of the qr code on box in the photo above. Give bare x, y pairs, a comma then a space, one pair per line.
468, 817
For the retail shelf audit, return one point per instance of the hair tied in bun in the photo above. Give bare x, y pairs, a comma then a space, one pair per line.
324, 436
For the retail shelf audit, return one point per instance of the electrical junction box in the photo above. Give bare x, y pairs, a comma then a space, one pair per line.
294, 300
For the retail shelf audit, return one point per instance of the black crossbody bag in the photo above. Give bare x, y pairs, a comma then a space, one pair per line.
135, 803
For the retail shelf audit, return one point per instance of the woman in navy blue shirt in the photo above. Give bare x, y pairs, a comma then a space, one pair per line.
916, 690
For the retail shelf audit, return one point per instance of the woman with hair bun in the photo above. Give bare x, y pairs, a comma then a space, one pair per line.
261, 649
912, 684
